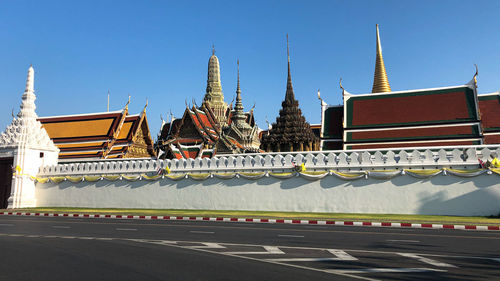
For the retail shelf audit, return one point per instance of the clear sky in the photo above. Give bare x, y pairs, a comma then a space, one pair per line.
159, 50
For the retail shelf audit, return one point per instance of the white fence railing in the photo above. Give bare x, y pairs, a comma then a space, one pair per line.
456, 157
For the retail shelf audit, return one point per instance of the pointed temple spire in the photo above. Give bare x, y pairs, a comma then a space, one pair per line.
380, 81
290, 132
26, 129
239, 116
289, 88
28, 104
214, 98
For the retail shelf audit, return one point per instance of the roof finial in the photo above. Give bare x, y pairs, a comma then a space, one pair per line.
289, 88
287, 50
475, 74
213, 49
108, 100
380, 81
30, 80
238, 83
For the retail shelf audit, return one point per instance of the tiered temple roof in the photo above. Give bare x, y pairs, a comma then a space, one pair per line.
101, 135
290, 132
430, 117
489, 108
239, 136
211, 128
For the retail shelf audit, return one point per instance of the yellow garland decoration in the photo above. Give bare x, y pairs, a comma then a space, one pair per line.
252, 176
349, 175
225, 176
384, 174
285, 175
423, 174
131, 178
175, 177
466, 172
56, 179
92, 178
111, 178
199, 177
40, 180
313, 175
151, 178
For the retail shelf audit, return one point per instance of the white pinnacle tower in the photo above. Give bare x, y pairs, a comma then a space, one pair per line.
29, 146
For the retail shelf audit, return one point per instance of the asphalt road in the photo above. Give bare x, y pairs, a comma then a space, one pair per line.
57, 248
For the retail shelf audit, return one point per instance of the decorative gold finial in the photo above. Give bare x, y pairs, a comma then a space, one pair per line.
128, 102
213, 49
475, 74
287, 49
380, 81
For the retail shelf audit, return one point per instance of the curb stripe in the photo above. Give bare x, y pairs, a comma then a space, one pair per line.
295, 221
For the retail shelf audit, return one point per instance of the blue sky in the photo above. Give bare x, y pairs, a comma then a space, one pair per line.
159, 50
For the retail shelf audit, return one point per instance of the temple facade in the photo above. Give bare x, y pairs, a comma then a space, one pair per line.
212, 128
290, 132
445, 116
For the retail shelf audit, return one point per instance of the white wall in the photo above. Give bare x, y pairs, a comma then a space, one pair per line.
440, 195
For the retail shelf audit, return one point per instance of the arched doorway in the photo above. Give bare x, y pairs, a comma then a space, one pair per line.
5, 180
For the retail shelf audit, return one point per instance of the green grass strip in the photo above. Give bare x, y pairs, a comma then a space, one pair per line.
278, 215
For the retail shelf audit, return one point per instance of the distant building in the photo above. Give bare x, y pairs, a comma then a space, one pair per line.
447, 116
213, 128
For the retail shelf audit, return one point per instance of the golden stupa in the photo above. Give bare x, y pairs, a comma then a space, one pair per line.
380, 81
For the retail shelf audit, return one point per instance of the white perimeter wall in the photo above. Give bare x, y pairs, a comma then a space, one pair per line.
440, 195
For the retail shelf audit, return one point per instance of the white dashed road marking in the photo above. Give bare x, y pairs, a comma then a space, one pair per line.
60, 226
208, 246
426, 260
126, 229
202, 232
270, 250
294, 236
403, 241
6, 224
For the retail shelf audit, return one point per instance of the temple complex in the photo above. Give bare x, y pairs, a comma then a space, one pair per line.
446, 116
290, 132
103, 135
214, 127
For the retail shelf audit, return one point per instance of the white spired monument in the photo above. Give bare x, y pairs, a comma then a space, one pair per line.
25, 146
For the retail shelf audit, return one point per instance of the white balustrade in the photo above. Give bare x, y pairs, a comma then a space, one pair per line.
460, 157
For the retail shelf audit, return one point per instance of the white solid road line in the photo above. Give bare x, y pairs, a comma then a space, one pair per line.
405, 241
426, 260
203, 232
382, 270
60, 226
126, 229
294, 236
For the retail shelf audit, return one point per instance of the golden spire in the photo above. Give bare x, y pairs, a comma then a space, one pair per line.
380, 81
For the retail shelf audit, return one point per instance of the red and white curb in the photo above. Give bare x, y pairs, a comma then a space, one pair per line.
284, 221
